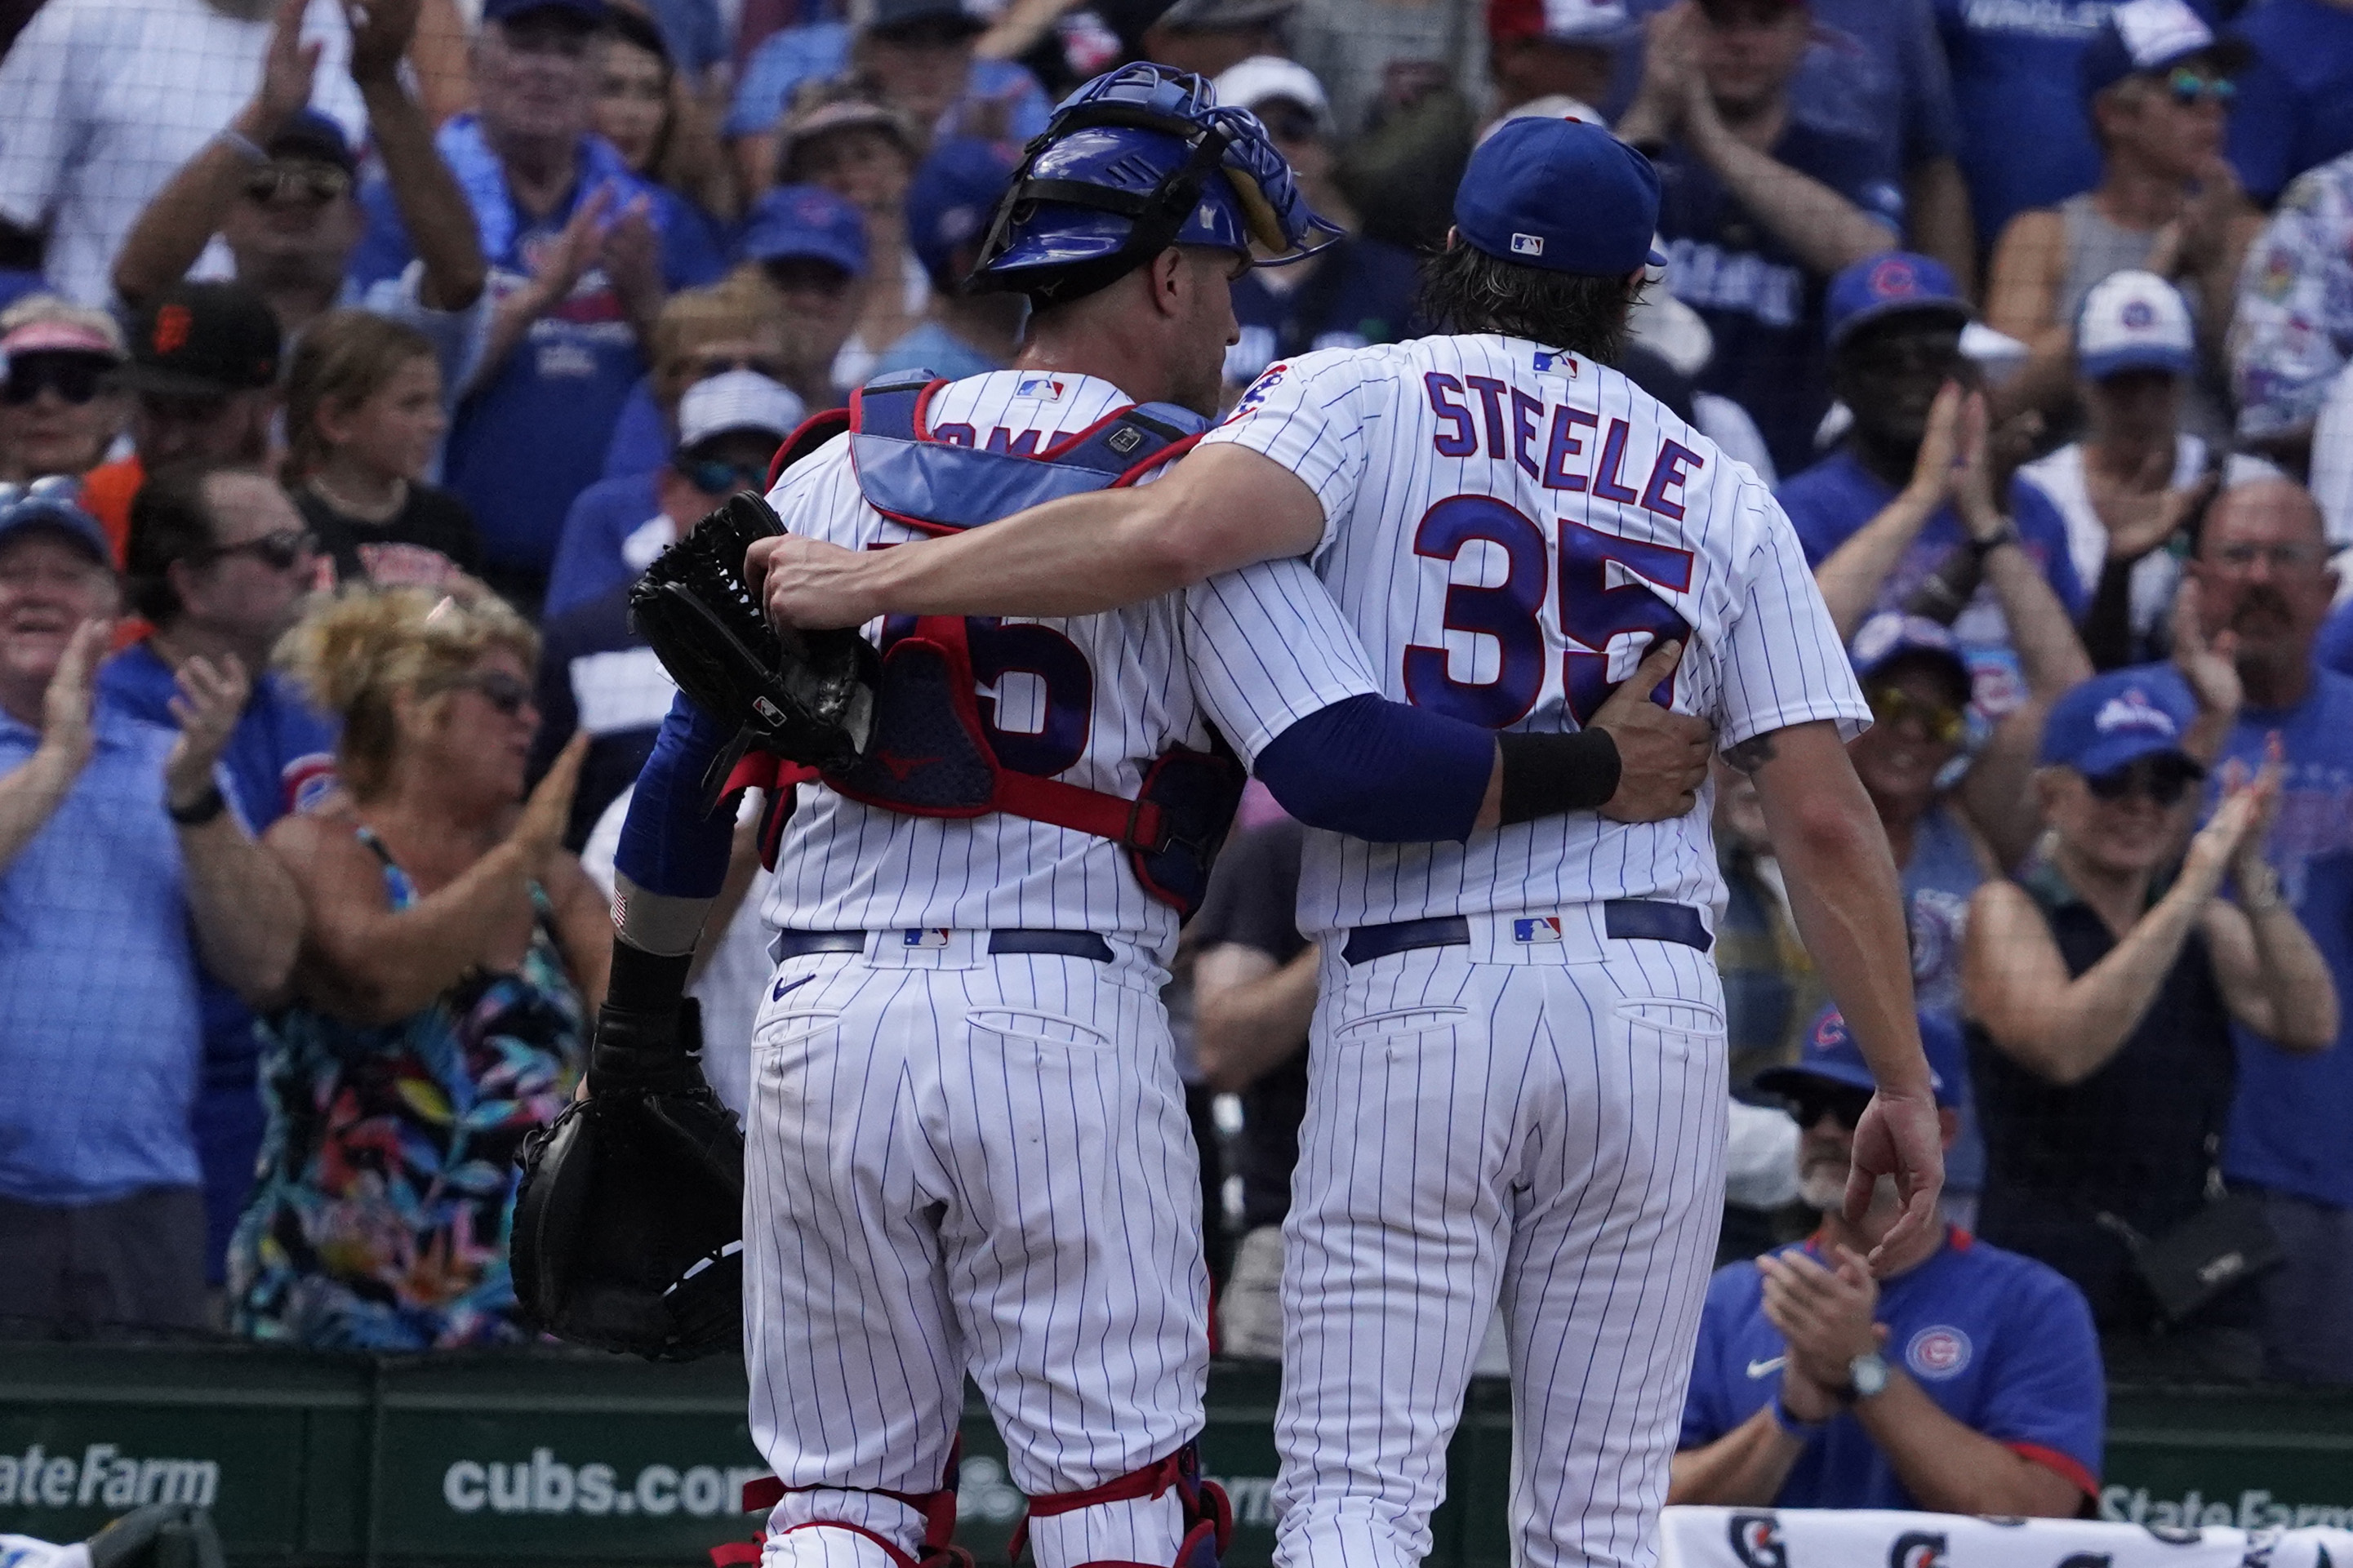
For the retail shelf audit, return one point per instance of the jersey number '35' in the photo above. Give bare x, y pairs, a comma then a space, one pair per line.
1590, 612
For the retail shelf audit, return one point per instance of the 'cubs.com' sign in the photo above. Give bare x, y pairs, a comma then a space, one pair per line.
1823, 1538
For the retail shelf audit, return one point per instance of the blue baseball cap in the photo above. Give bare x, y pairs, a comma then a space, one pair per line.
54, 506
793, 222
2112, 720
592, 12
1892, 635
950, 200
1893, 283
2153, 36
1831, 1056
307, 133
1562, 196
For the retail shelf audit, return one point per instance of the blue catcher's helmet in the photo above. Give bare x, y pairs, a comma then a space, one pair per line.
1137, 159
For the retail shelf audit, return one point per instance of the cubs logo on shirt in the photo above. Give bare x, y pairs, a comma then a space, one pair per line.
1937, 1352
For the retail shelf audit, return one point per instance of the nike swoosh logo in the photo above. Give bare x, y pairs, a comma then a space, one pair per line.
1766, 1367
785, 986
900, 767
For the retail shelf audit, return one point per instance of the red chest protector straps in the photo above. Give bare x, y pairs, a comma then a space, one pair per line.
930, 755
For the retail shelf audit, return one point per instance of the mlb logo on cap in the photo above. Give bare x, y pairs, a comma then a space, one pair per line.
1526, 245
2133, 320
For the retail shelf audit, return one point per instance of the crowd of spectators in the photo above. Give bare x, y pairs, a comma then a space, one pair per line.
354, 360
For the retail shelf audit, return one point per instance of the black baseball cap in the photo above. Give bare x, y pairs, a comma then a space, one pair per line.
894, 17
311, 135
203, 340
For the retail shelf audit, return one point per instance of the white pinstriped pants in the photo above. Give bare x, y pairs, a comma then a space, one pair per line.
1535, 1127
963, 1162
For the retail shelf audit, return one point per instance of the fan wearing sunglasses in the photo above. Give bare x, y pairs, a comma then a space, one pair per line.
2100, 988
281, 185
1957, 1377
61, 408
2159, 87
729, 427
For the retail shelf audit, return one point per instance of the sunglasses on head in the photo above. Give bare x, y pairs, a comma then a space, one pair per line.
281, 551
1943, 722
74, 378
313, 185
2189, 87
717, 477
2163, 780
503, 692
1810, 1105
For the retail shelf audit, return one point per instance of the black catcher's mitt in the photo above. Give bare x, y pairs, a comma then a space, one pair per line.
629, 1223
807, 697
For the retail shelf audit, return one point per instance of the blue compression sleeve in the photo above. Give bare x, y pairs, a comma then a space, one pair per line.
668, 846
1383, 771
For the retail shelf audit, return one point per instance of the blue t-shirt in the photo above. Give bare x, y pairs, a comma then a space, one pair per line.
930, 346
613, 531
820, 51
1763, 305
2334, 650
1831, 501
2294, 107
97, 982
280, 758
2003, 1344
1875, 70
2290, 1118
534, 436
597, 675
2026, 135
1361, 293
641, 437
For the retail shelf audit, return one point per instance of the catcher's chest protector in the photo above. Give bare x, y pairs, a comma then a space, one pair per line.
929, 755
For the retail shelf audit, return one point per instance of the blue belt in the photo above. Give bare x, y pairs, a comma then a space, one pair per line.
1060, 943
1626, 919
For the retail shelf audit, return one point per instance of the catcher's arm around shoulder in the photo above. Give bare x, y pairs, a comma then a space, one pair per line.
1219, 509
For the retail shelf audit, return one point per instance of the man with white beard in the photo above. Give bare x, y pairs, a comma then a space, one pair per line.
1964, 1378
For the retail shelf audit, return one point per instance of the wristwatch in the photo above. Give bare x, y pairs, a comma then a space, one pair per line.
199, 811
1982, 548
1866, 1376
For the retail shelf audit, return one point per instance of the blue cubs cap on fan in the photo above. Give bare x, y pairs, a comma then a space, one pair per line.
2112, 720
807, 221
1562, 196
1831, 1056
52, 505
950, 200
1893, 283
2151, 36
1133, 161
1891, 636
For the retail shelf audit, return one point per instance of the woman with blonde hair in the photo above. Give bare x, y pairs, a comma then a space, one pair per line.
364, 426
453, 951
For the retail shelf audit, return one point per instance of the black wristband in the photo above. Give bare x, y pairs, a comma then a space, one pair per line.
1545, 775
205, 807
1982, 548
646, 981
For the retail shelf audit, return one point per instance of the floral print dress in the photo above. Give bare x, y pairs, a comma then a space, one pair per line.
385, 1190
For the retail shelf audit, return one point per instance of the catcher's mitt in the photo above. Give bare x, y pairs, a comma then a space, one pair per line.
629, 1225
807, 697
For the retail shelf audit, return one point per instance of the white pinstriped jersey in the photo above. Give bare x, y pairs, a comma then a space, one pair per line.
1510, 529
1089, 700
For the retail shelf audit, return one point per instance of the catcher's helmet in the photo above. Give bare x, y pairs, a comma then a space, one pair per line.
1135, 160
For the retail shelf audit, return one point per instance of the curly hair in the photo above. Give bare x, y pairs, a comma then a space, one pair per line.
1464, 289
355, 653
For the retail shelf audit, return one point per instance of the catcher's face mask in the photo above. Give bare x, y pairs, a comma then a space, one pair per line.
1134, 162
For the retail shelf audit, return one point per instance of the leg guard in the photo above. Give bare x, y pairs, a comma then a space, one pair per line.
938, 1509
1206, 1516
